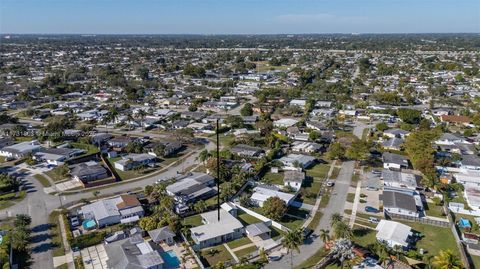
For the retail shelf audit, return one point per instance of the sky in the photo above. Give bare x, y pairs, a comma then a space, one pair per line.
238, 16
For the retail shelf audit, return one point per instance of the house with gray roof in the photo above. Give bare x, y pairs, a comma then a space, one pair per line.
470, 162
399, 179
293, 179
88, 171
297, 160
394, 161
133, 253
21, 149
133, 160
190, 188
393, 143
247, 151
162, 235
56, 156
402, 202
214, 232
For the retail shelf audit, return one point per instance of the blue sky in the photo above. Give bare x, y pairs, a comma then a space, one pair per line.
238, 16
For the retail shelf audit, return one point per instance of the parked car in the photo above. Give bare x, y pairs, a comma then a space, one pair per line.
371, 209
376, 172
373, 220
330, 183
307, 232
274, 258
371, 188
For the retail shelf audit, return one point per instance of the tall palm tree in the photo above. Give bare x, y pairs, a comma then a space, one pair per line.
335, 218
325, 235
383, 254
141, 114
447, 260
342, 230
291, 241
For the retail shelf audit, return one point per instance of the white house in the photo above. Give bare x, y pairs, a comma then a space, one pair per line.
393, 233
20, 150
293, 179
261, 193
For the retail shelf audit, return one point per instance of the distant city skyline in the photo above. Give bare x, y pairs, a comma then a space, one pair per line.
238, 17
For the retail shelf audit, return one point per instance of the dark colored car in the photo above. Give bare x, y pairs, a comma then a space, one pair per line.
371, 209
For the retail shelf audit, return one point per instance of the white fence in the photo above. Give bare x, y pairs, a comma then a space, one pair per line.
262, 218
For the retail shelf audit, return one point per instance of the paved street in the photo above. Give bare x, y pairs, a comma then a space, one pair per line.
39, 205
335, 205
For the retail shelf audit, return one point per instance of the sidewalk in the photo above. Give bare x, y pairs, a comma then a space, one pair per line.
68, 252
355, 204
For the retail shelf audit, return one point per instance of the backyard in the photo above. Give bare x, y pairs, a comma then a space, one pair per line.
214, 255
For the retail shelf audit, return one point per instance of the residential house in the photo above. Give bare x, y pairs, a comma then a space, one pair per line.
56, 156
132, 161
394, 234
285, 123
162, 235
247, 151
262, 192
297, 161
396, 133
399, 179
306, 147
393, 143
456, 119
88, 172
120, 209
190, 188
451, 139
20, 150
169, 148
470, 162
133, 252
394, 161
120, 142
214, 231
402, 202
293, 179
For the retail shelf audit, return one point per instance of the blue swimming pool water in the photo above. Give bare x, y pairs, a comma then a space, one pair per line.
170, 259
88, 224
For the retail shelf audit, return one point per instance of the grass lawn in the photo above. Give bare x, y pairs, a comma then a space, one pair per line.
239, 242
275, 233
58, 249
247, 219
192, 221
43, 180
316, 219
311, 187
291, 222
436, 238
7, 200
335, 173
90, 149
219, 254
299, 212
55, 174
319, 171
324, 200
350, 197
435, 211
364, 236
272, 178
245, 251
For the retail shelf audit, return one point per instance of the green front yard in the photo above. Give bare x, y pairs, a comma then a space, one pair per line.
319, 171
247, 219
134, 173
192, 221
435, 211
245, 251
9, 199
273, 178
214, 255
43, 180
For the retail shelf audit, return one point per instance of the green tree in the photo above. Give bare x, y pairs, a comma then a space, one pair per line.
342, 230
292, 241
382, 126
324, 235
246, 110
358, 150
447, 260
200, 206
274, 208
336, 151
408, 115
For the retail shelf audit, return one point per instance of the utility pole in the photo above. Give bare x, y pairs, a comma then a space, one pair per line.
218, 171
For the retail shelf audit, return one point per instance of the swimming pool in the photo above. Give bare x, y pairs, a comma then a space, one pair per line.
171, 259
88, 224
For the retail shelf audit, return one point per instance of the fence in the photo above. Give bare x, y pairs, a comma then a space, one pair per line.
428, 221
262, 218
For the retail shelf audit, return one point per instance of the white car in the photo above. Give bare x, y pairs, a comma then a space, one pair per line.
373, 220
330, 183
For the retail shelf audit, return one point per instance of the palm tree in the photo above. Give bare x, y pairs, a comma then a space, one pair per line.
141, 114
335, 218
325, 235
383, 253
447, 260
428, 261
342, 230
203, 156
291, 241
20, 239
